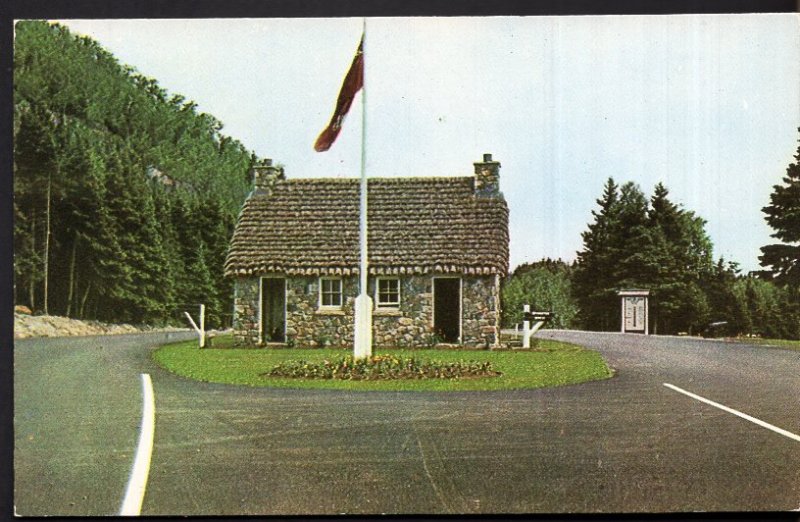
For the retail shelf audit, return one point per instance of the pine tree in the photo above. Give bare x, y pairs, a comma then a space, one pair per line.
618, 253
145, 292
200, 288
681, 250
174, 266
636, 261
725, 300
593, 280
783, 215
217, 229
654, 245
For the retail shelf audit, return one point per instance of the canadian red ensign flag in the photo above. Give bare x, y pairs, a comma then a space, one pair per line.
351, 85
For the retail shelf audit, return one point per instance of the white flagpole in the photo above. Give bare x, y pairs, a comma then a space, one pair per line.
363, 307
363, 206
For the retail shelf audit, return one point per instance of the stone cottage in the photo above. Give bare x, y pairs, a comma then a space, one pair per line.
438, 250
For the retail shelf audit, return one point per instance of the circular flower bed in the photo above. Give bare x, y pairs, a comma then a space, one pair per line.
382, 367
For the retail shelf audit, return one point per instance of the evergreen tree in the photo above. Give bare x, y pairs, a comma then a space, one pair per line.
85, 220
632, 241
217, 229
681, 251
771, 309
726, 301
783, 215
201, 288
654, 245
593, 278
172, 257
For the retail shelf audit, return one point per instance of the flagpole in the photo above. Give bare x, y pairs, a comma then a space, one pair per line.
362, 333
363, 207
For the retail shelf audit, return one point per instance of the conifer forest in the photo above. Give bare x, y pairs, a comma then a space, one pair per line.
124, 197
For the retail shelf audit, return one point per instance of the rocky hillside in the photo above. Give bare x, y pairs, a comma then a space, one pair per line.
26, 325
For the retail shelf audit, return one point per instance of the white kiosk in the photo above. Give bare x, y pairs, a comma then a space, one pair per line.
634, 311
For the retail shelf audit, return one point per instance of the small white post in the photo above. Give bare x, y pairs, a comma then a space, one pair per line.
202, 326
526, 327
201, 330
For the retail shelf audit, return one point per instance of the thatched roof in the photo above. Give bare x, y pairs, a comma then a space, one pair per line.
415, 226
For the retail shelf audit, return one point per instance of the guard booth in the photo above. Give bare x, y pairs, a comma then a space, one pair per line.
635, 307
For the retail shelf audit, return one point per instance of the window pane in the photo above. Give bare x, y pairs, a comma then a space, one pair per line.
331, 292
388, 291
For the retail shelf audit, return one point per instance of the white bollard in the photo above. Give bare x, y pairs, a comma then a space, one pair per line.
363, 327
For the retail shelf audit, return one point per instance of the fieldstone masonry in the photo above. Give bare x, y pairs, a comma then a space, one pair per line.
245, 311
408, 326
487, 178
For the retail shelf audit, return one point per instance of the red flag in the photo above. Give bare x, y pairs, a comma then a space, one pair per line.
351, 85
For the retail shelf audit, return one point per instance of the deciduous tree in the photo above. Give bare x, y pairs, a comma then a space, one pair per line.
545, 286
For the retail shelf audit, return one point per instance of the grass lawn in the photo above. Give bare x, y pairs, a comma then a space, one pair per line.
773, 343
552, 363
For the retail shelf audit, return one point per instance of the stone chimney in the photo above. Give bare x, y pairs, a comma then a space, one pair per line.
487, 177
265, 175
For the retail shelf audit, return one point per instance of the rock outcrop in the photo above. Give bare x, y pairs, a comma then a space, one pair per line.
53, 326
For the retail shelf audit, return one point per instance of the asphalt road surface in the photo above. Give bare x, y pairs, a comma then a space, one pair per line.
628, 444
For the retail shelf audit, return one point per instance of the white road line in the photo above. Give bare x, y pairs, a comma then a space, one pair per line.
737, 413
137, 483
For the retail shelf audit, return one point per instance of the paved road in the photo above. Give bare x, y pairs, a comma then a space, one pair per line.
628, 444
77, 409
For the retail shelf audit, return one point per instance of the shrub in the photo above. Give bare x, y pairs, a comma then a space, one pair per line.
381, 367
432, 338
322, 340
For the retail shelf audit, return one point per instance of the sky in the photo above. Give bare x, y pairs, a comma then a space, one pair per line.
707, 104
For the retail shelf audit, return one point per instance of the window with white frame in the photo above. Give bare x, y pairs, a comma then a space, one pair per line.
330, 292
388, 292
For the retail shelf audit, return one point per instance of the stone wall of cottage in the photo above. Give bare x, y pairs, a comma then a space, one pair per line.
309, 326
480, 311
245, 310
408, 326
